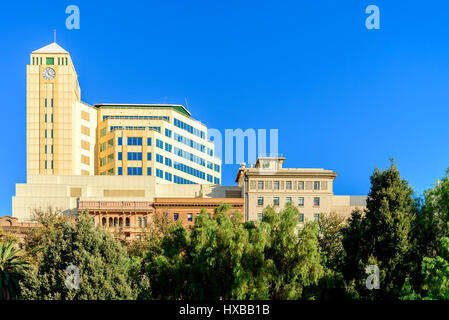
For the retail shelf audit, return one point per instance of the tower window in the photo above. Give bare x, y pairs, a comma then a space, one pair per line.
50, 61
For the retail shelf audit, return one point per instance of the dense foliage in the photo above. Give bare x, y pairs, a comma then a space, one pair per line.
220, 257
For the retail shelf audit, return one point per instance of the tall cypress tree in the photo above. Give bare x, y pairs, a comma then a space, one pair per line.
385, 234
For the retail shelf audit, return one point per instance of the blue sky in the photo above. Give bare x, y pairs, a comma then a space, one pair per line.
343, 97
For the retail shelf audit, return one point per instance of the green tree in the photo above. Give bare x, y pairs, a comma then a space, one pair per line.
292, 254
102, 262
382, 236
330, 237
221, 258
12, 268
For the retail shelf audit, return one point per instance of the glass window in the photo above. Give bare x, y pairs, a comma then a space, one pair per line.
176, 216
276, 185
260, 216
316, 202
149, 142
300, 185
149, 171
301, 217
288, 200
149, 156
134, 141
120, 141
168, 133
120, 156
50, 61
120, 171
316, 185
260, 185
301, 201
168, 147
316, 217
288, 185
189, 217
260, 201
276, 201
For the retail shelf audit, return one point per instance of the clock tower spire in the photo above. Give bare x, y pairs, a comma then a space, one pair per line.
53, 115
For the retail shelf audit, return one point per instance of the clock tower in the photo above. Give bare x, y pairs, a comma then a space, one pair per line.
60, 137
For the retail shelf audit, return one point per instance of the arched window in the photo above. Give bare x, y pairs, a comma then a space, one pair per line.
120, 222
115, 222
140, 222
144, 222
111, 222
127, 222
103, 222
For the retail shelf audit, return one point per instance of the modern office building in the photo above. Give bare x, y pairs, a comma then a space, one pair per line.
309, 190
155, 140
67, 138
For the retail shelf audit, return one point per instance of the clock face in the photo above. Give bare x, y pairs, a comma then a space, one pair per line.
49, 74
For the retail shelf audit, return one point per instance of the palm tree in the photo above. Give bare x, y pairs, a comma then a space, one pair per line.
12, 268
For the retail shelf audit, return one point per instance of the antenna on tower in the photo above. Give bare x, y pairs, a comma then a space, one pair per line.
187, 104
54, 35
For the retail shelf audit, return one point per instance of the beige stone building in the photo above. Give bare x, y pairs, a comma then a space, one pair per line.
69, 194
309, 190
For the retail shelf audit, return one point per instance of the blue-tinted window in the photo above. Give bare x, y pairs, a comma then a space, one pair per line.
216, 181
176, 216
149, 156
217, 167
168, 176
159, 173
168, 162
189, 170
189, 128
134, 155
159, 144
168, 133
134, 171
120, 171
159, 158
120, 156
149, 141
149, 171
120, 141
167, 147
134, 141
